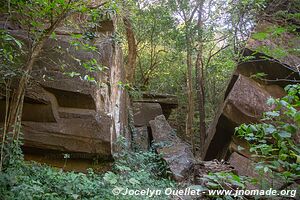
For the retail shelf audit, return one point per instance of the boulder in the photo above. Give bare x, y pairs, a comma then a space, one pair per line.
247, 94
174, 151
166, 101
74, 135
203, 168
285, 41
243, 165
245, 103
143, 112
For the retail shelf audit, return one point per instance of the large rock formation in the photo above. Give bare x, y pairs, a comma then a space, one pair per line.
63, 110
246, 96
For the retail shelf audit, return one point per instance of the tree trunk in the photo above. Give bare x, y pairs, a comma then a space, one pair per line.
190, 105
16, 104
132, 50
200, 82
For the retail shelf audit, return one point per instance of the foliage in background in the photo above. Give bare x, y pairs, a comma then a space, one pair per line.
10, 52
160, 37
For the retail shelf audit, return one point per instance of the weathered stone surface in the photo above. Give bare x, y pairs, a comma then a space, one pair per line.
245, 99
246, 96
70, 114
69, 135
243, 165
141, 138
285, 41
175, 152
246, 102
203, 168
166, 101
144, 112
276, 73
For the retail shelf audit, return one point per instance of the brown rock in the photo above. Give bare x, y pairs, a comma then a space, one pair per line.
203, 168
243, 165
285, 42
175, 152
69, 135
70, 114
144, 112
246, 102
167, 102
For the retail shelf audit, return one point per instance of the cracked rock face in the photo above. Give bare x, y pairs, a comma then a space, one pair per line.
246, 96
174, 151
65, 113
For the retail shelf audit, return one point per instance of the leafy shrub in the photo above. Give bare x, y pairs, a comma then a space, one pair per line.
273, 142
225, 180
30, 180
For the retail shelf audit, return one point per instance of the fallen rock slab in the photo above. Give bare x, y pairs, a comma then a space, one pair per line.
166, 101
175, 152
144, 112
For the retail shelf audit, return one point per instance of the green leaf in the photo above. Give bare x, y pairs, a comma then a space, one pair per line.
270, 129
290, 128
110, 177
278, 31
211, 184
297, 117
198, 188
260, 36
272, 113
18, 43
133, 181
76, 36
75, 196
297, 159
284, 134
240, 148
283, 156
270, 101
253, 127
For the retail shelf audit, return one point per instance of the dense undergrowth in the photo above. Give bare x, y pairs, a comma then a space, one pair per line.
31, 180
272, 142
